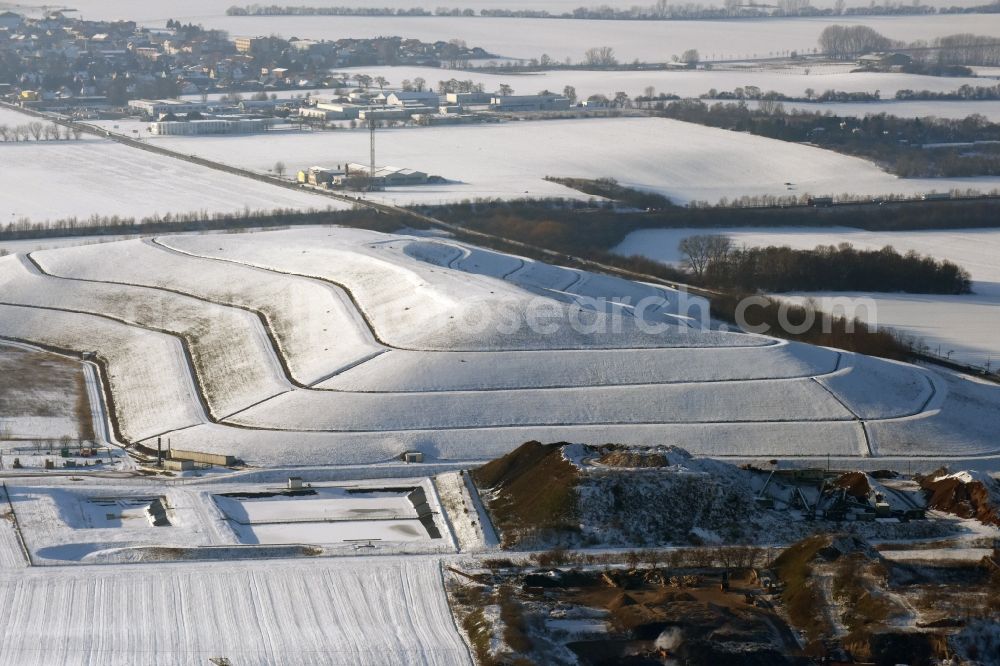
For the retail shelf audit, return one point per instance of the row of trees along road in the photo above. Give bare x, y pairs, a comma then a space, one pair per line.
39, 132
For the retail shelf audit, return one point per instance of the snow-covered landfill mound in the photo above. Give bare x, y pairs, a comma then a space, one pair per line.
328, 345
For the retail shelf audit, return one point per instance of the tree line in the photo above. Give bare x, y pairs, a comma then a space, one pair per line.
848, 42
845, 42
101, 225
661, 10
715, 261
39, 132
610, 188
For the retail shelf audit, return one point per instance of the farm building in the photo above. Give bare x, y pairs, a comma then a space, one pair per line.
321, 176
529, 103
884, 62
388, 176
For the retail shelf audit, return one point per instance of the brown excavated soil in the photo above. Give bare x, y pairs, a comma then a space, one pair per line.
964, 499
531, 489
856, 484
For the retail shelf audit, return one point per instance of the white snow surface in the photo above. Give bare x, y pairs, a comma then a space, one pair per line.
653, 41
681, 160
100, 177
386, 610
414, 356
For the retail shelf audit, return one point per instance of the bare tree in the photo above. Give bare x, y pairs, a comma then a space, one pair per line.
691, 57
279, 168
381, 82
700, 251
4, 133
569, 92
36, 129
600, 56
768, 104
506, 90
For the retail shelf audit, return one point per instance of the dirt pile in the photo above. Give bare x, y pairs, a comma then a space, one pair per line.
855, 483
964, 494
531, 493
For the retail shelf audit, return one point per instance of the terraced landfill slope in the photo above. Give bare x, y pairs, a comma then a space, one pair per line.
326, 345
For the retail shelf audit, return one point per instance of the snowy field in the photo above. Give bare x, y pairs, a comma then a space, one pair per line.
681, 160
791, 81
965, 325
386, 610
13, 118
192, 10
654, 41
447, 350
58, 180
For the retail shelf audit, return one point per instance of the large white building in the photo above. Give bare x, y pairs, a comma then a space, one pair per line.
211, 126
154, 108
331, 111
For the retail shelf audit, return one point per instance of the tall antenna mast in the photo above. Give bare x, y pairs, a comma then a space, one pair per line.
371, 165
